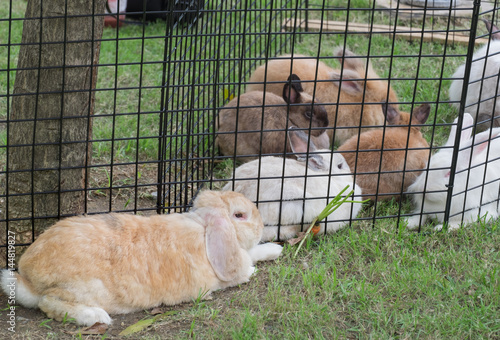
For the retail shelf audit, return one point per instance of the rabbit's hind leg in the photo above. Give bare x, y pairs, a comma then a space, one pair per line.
60, 310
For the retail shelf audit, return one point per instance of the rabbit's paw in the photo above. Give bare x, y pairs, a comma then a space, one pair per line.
439, 227
413, 222
451, 227
90, 315
265, 252
251, 271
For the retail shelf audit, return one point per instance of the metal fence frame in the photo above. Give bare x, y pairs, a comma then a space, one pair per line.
195, 85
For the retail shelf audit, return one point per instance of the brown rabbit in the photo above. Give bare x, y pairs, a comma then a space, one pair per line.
86, 267
249, 109
405, 149
360, 84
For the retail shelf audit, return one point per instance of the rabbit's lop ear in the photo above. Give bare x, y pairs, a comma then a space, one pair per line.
222, 247
292, 89
223, 250
299, 142
492, 29
465, 134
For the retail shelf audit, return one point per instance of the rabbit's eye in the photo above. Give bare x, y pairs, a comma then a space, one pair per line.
239, 215
340, 165
308, 114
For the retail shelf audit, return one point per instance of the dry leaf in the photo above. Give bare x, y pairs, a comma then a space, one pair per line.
300, 236
156, 310
96, 329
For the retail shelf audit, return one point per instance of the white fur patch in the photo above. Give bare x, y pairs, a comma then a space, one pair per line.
251, 271
14, 289
90, 315
265, 252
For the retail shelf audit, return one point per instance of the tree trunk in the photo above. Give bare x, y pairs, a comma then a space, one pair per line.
49, 124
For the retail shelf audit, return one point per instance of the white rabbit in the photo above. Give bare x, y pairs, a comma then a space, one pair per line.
471, 200
483, 82
86, 267
302, 194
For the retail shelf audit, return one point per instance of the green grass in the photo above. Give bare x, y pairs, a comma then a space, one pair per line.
380, 283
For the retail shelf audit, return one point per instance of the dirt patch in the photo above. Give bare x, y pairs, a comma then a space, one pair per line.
133, 189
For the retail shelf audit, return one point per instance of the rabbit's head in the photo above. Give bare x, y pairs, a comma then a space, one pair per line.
306, 151
435, 181
237, 209
304, 111
323, 160
232, 223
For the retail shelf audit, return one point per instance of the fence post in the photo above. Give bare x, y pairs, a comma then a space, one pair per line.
468, 66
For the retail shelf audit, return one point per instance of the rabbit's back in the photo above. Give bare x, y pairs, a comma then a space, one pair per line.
355, 103
483, 82
274, 73
401, 162
281, 193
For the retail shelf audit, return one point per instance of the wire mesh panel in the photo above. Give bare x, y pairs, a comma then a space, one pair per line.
382, 71
204, 68
154, 105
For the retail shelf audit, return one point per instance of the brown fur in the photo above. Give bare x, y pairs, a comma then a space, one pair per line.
322, 81
248, 110
122, 262
396, 137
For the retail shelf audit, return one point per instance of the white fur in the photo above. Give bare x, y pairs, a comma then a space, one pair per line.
285, 202
265, 252
468, 203
90, 315
23, 295
486, 85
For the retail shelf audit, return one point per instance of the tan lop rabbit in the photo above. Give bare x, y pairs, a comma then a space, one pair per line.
273, 116
86, 267
361, 90
405, 149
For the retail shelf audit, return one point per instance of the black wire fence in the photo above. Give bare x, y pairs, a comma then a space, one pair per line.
103, 109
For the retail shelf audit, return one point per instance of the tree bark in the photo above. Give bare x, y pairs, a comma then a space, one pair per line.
49, 124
